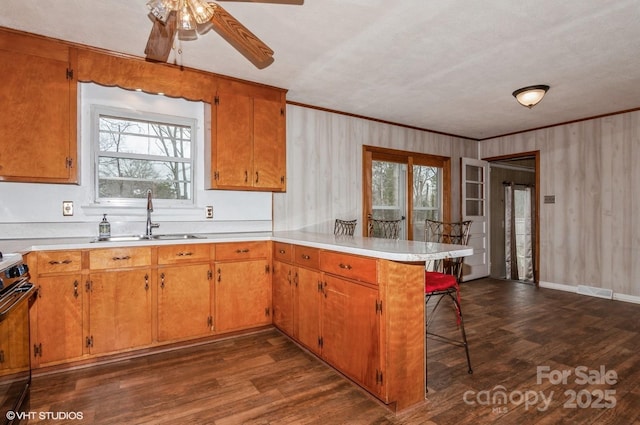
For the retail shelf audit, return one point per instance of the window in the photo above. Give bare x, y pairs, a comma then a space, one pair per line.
405, 185
135, 152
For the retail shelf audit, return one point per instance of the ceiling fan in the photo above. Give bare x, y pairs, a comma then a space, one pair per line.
188, 18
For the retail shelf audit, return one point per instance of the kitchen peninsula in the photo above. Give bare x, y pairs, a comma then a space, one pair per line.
357, 303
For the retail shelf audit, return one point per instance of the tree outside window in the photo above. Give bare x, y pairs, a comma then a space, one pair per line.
134, 155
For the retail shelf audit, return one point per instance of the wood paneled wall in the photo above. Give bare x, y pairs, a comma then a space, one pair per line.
324, 165
591, 235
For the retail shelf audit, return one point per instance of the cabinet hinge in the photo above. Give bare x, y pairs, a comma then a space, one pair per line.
88, 285
282, 111
209, 275
210, 322
216, 100
37, 350
379, 377
320, 342
69, 74
89, 341
267, 269
281, 179
216, 175
267, 311
1, 356
68, 162
379, 307
319, 286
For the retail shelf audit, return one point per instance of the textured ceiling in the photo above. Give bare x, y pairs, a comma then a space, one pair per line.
447, 66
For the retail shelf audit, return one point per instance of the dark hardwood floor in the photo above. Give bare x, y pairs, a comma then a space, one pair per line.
513, 329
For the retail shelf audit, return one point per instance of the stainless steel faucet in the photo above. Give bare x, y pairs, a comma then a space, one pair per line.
150, 225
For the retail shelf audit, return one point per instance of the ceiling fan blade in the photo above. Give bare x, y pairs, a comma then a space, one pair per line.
298, 2
241, 38
161, 39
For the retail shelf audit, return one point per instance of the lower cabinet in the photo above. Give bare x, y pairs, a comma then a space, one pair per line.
184, 302
58, 334
242, 295
282, 296
296, 303
308, 305
351, 330
57, 317
184, 291
336, 318
119, 310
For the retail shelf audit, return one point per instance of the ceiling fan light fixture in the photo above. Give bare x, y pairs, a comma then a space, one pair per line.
201, 10
530, 96
161, 9
186, 22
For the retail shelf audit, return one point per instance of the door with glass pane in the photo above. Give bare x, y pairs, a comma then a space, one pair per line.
427, 198
390, 186
475, 187
389, 192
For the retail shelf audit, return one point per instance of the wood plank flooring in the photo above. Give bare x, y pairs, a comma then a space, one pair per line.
264, 378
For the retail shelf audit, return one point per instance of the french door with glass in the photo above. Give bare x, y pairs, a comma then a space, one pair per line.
405, 185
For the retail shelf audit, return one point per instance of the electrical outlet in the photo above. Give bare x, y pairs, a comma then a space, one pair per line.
67, 208
209, 211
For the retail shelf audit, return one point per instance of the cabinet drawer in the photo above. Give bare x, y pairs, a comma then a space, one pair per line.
173, 254
350, 266
59, 261
283, 251
241, 250
114, 258
306, 256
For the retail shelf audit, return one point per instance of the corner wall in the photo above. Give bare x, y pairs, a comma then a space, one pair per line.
591, 235
324, 165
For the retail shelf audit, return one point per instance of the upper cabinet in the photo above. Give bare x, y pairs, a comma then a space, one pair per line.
248, 146
38, 97
38, 141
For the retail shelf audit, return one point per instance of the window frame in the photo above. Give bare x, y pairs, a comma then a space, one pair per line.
371, 153
98, 111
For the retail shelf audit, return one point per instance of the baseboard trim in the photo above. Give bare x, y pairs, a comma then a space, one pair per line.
569, 288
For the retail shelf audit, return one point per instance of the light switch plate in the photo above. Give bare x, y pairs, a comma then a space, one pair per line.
208, 211
67, 208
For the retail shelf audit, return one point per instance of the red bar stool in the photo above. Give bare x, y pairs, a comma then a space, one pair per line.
444, 278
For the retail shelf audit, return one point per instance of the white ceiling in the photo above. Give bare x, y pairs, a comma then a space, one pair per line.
448, 65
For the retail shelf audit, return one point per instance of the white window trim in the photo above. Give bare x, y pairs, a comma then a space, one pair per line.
96, 111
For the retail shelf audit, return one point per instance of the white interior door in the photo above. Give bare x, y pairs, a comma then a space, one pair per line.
475, 205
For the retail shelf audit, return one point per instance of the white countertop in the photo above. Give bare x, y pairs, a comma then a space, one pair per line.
388, 249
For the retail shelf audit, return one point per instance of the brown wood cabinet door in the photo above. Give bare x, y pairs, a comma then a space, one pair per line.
38, 103
350, 330
119, 310
242, 295
269, 147
282, 296
59, 318
184, 302
14, 333
232, 142
308, 308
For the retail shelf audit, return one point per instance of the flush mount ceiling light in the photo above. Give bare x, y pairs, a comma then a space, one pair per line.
530, 96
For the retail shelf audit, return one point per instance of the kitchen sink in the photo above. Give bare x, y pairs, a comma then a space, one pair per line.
134, 238
177, 236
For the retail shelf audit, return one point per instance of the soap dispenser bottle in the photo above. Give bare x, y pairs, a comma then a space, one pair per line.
104, 229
